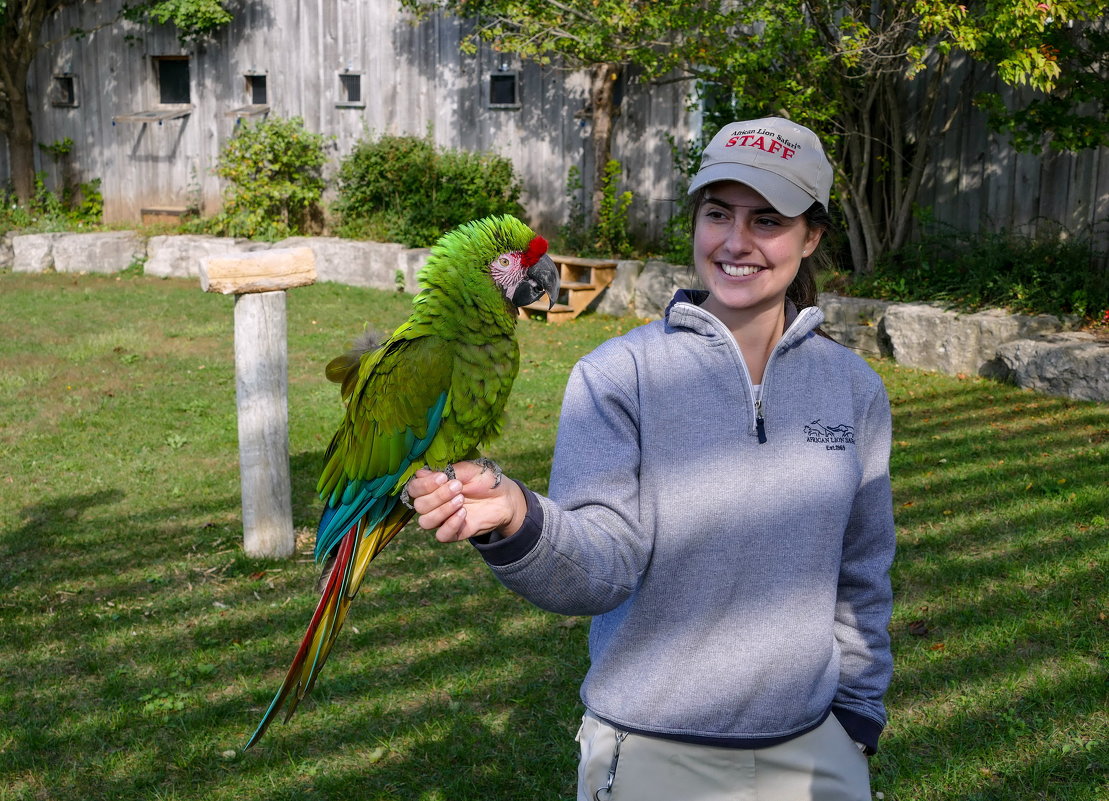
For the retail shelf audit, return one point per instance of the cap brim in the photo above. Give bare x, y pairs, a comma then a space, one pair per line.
786, 197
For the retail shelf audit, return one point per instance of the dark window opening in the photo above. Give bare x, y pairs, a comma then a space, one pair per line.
350, 85
502, 90
63, 92
173, 79
256, 88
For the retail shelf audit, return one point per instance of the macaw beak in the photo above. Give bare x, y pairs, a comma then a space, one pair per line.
541, 277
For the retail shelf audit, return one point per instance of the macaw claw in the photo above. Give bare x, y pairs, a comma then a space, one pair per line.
489, 464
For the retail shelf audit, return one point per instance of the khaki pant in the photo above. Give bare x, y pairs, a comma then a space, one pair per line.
823, 765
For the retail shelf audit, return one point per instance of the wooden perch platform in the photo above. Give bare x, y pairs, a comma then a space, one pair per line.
258, 280
258, 271
158, 115
253, 110
582, 281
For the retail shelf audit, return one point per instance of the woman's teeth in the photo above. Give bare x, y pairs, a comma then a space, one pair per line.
737, 271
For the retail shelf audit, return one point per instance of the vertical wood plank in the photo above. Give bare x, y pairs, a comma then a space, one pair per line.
261, 390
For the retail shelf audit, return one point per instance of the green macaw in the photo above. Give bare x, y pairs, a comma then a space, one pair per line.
431, 394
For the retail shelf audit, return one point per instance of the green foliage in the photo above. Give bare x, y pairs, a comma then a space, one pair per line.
840, 68
89, 206
273, 169
59, 149
609, 235
48, 211
612, 216
1074, 114
577, 32
404, 189
1047, 275
194, 19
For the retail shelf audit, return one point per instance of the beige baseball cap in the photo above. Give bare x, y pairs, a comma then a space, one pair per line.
781, 160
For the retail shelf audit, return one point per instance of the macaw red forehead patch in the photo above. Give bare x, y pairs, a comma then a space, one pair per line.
536, 248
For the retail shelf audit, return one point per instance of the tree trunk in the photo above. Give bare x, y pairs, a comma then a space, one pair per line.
19, 37
21, 146
602, 96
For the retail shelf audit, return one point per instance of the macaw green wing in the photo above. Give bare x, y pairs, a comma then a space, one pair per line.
394, 412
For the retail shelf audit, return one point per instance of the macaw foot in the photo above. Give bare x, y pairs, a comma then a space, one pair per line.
406, 499
489, 464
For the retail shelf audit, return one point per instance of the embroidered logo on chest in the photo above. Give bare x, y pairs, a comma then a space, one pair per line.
832, 437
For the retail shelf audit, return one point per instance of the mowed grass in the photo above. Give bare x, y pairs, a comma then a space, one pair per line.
139, 646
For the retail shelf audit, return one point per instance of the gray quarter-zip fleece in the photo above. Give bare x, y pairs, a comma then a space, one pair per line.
739, 588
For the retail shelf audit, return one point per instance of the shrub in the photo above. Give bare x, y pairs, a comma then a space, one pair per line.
70, 210
1004, 270
274, 172
608, 236
404, 189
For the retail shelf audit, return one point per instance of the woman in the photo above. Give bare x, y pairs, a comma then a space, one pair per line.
720, 504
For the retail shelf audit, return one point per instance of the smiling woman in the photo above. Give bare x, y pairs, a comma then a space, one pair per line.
739, 642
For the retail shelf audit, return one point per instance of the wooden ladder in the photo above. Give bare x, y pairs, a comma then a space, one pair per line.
582, 281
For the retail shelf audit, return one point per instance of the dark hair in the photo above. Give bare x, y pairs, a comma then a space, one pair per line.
802, 291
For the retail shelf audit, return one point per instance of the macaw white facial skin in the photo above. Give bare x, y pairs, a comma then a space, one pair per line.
508, 271
746, 255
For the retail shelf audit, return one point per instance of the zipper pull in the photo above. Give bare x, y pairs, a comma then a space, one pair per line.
760, 428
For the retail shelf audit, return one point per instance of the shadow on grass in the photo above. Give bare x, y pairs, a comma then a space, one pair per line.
149, 649
139, 648
999, 631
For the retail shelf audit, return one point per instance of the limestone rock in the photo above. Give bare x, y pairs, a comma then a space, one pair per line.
857, 323
1073, 364
618, 298
7, 256
98, 252
928, 337
179, 256
378, 265
655, 287
412, 260
33, 253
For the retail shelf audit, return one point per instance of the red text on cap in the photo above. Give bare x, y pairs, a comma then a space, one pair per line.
751, 140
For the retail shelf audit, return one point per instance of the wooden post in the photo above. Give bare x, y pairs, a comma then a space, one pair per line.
259, 280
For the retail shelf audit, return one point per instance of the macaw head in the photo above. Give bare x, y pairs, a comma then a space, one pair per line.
501, 249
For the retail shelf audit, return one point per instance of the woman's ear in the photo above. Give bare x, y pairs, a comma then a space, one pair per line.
812, 239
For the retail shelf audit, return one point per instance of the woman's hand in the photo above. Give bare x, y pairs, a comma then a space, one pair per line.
468, 505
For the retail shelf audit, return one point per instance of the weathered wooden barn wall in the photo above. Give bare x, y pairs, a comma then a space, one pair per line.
413, 81
977, 181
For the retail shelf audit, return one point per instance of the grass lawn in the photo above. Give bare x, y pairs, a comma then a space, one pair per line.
138, 647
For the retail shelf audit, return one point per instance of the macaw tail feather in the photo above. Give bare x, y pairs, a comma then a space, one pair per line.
352, 558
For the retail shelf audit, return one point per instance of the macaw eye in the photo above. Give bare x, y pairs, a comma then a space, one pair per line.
504, 261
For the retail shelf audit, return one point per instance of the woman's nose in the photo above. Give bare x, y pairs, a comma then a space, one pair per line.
739, 238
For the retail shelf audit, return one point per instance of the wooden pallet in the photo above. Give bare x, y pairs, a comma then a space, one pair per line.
582, 281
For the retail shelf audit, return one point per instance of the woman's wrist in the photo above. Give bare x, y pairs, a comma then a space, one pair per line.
517, 508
